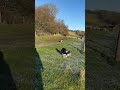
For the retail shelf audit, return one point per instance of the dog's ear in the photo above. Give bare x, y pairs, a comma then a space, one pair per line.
63, 48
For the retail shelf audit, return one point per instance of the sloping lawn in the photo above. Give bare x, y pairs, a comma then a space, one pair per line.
20, 61
102, 70
63, 73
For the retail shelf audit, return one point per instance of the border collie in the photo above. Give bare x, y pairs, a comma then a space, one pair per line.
65, 52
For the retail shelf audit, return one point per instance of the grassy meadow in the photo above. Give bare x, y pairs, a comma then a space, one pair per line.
102, 69
21, 66
61, 73
16, 45
16, 35
93, 19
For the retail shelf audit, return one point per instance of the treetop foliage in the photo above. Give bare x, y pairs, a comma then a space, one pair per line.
46, 22
16, 11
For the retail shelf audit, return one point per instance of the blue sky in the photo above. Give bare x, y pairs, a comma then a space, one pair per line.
71, 11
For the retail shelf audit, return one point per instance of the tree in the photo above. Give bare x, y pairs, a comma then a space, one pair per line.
62, 28
45, 21
17, 11
45, 18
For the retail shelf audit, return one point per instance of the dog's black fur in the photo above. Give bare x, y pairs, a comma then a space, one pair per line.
65, 51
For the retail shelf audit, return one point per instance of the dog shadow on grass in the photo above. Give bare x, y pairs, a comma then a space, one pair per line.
58, 51
38, 72
6, 79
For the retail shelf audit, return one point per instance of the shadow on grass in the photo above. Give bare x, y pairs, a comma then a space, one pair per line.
109, 60
38, 72
80, 51
58, 51
6, 79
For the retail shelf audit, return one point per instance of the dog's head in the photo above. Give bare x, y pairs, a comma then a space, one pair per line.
63, 50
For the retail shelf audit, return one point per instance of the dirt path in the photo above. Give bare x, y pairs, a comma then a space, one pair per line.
16, 40
46, 43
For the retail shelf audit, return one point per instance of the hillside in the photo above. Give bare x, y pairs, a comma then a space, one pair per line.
72, 33
64, 73
76, 33
103, 17
16, 35
101, 42
92, 19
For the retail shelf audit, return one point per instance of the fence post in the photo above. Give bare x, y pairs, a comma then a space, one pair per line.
117, 56
0, 16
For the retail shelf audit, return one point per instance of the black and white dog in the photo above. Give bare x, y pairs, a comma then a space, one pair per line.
65, 52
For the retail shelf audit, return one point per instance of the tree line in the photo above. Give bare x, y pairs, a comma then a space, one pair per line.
16, 11
46, 22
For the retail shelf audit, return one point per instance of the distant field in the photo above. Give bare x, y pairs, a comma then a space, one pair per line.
46, 40
100, 53
93, 19
72, 33
16, 34
62, 73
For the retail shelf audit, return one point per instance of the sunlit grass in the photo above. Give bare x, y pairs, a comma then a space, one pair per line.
62, 73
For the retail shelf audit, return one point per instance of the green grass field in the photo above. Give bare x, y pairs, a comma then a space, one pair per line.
16, 46
16, 34
71, 33
93, 19
21, 64
62, 73
102, 72
45, 40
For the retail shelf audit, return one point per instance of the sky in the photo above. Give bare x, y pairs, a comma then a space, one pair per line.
71, 11
111, 5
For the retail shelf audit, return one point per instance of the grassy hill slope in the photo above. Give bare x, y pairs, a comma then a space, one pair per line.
102, 71
63, 73
16, 34
16, 46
